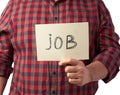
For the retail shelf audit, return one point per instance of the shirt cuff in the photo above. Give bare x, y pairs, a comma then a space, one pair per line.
112, 67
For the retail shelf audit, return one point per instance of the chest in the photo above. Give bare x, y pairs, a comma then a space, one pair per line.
28, 14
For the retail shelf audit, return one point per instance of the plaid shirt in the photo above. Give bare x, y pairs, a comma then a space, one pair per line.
18, 44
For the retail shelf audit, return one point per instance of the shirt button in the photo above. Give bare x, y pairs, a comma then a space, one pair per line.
54, 73
56, 18
53, 92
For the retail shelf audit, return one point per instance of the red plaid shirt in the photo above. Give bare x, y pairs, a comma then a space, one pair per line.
18, 44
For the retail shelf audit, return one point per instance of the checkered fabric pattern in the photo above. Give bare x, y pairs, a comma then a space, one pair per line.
18, 45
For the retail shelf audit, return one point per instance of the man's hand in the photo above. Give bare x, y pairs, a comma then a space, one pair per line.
77, 72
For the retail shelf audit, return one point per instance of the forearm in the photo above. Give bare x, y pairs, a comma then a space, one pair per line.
97, 70
3, 82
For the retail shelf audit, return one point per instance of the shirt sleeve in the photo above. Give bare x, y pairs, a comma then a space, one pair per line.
108, 43
6, 49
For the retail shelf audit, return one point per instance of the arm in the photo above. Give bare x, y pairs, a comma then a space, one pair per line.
108, 48
6, 49
105, 63
3, 82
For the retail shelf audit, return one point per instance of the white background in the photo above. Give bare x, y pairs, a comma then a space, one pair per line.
111, 88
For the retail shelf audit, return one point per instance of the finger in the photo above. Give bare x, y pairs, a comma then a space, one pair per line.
74, 75
74, 69
68, 61
70, 69
76, 81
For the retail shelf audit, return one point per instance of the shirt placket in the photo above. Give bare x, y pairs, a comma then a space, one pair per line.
55, 13
53, 67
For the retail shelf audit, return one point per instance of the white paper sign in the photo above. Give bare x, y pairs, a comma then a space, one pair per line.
56, 41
